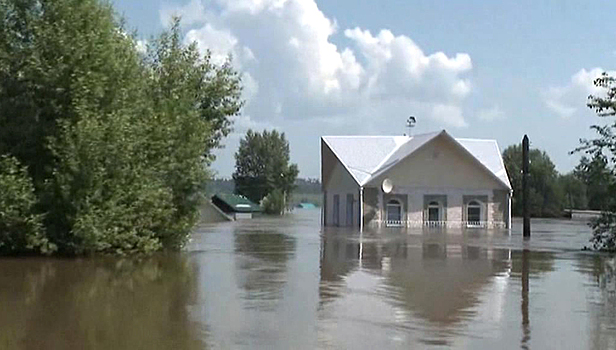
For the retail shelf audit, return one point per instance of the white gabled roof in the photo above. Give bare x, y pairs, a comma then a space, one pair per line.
362, 154
366, 157
488, 153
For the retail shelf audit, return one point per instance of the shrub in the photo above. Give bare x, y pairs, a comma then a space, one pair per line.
21, 230
604, 232
274, 203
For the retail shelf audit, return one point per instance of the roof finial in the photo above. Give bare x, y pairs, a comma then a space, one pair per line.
410, 124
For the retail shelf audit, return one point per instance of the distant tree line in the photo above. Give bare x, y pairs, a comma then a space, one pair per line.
586, 187
104, 149
591, 184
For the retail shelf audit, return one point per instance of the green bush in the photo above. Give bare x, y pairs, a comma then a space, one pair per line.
21, 230
274, 203
604, 232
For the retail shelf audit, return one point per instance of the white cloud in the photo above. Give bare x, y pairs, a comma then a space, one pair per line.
491, 114
449, 114
285, 47
397, 66
298, 79
571, 98
192, 13
220, 43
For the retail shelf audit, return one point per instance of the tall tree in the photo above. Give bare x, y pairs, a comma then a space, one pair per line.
604, 147
117, 144
574, 191
262, 165
545, 194
597, 178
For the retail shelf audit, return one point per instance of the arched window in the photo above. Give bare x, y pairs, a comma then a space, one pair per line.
394, 212
434, 211
473, 213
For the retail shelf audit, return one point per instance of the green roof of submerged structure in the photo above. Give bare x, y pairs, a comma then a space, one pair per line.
236, 203
305, 205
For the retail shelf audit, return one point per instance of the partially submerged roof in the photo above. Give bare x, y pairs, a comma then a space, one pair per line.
306, 205
366, 157
237, 203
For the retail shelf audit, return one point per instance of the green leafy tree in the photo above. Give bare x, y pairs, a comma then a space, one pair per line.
597, 178
193, 102
546, 197
574, 191
262, 166
184, 82
21, 229
117, 143
602, 150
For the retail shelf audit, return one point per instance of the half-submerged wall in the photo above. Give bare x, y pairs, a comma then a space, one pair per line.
340, 192
444, 176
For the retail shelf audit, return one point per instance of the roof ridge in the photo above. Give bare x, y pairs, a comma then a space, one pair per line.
473, 139
388, 156
375, 136
409, 137
380, 168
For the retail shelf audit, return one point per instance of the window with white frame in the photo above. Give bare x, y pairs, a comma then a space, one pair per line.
434, 211
394, 212
473, 213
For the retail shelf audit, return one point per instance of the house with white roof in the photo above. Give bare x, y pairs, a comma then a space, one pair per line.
431, 179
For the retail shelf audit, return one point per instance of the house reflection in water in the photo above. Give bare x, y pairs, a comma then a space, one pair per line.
432, 276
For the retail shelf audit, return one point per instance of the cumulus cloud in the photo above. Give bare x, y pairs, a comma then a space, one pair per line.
569, 99
448, 114
491, 114
294, 70
192, 13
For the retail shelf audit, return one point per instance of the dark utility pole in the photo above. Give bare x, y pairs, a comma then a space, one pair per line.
525, 175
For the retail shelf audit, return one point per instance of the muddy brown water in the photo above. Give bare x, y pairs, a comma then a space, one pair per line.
287, 284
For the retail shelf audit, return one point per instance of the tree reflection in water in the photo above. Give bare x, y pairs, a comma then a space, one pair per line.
601, 268
262, 262
98, 304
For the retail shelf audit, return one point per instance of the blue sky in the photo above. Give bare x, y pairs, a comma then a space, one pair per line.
478, 69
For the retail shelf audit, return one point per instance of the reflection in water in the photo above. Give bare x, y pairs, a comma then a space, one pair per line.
436, 277
434, 280
602, 272
98, 303
262, 261
275, 283
431, 279
525, 319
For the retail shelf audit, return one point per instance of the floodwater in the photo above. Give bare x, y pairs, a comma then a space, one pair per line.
284, 284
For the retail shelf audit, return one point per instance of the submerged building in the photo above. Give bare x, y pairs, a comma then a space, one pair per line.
425, 180
236, 206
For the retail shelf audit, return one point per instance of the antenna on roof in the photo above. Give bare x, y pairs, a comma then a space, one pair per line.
410, 124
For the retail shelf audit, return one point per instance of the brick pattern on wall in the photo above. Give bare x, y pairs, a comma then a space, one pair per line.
499, 205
